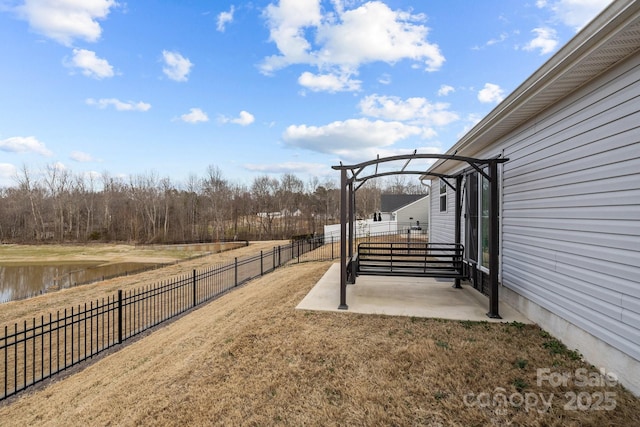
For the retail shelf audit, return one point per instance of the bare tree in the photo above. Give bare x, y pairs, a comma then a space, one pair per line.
190, 219
289, 194
264, 190
218, 197
34, 193
368, 199
241, 205
145, 208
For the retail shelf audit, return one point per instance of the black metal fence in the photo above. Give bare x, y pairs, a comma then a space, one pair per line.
33, 351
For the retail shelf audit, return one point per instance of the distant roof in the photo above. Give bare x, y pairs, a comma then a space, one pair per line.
393, 202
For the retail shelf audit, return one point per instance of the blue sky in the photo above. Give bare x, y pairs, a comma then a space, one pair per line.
263, 87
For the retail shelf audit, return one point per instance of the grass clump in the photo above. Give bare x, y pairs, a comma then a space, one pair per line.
521, 363
520, 384
442, 344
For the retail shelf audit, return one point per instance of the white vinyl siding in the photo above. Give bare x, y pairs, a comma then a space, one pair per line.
442, 224
417, 210
571, 209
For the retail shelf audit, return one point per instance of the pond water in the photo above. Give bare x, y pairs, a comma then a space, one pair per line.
24, 280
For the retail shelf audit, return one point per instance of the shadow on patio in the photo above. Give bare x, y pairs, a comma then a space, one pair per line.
405, 296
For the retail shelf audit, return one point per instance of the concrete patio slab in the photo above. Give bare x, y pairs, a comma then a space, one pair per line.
405, 296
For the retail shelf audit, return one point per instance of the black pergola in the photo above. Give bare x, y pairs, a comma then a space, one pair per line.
352, 177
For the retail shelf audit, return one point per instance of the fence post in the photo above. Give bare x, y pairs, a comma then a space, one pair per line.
6, 332
119, 316
279, 256
332, 247
195, 300
235, 271
261, 266
298, 250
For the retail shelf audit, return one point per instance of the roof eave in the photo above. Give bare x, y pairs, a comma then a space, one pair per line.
601, 30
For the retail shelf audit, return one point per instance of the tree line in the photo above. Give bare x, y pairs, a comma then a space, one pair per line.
56, 205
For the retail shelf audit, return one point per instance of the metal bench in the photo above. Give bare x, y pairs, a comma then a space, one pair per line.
440, 260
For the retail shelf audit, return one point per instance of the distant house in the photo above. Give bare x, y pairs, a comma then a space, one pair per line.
569, 194
399, 212
283, 213
408, 210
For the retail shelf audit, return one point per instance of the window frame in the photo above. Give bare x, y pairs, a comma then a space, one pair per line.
443, 196
477, 219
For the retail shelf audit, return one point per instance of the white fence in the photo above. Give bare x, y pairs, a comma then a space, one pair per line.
362, 228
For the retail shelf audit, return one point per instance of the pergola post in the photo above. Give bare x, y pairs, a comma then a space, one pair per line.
458, 226
352, 234
343, 240
494, 229
352, 216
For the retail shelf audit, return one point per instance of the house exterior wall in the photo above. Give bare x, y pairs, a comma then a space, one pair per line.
418, 210
570, 220
442, 224
571, 210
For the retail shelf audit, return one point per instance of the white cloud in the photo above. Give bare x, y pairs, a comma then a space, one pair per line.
224, 18
373, 32
314, 169
384, 79
328, 82
346, 137
81, 157
177, 67
244, 119
346, 39
574, 13
491, 93
546, 40
471, 120
24, 144
500, 39
118, 105
445, 90
287, 23
58, 166
66, 20
504, 36
7, 170
415, 111
195, 115
90, 64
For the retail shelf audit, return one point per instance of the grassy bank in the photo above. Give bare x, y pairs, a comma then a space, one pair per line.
17, 311
251, 358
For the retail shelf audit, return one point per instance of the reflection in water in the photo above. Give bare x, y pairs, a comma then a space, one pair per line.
18, 281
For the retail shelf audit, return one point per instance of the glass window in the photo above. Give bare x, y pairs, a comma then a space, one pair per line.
477, 204
484, 221
443, 196
471, 215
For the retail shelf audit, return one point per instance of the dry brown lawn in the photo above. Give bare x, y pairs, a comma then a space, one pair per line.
251, 358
